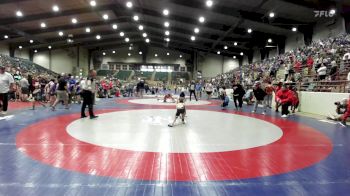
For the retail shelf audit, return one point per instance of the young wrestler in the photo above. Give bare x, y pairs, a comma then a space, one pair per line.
180, 111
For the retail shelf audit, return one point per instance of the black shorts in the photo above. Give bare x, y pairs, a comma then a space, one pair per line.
180, 111
25, 90
209, 92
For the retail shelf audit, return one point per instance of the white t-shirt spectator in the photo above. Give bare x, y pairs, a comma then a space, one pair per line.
346, 56
6, 80
322, 71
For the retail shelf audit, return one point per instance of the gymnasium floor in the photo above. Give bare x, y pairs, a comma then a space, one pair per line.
130, 150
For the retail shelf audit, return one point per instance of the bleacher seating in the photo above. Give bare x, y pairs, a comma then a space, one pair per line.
180, 75
105, 73
143, 74
161, 76
123, 75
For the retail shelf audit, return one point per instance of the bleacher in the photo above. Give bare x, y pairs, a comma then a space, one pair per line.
105, 73
180, 75
161, 76
123, 75
143, 74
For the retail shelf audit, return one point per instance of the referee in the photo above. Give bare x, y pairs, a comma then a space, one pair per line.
89, 88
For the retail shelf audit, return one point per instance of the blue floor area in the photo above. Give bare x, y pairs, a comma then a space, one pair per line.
21, 175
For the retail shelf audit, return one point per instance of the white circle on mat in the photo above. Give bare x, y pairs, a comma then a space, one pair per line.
148, 131
160, 101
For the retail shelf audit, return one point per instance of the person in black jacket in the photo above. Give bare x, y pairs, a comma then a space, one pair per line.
238, 94
259, 94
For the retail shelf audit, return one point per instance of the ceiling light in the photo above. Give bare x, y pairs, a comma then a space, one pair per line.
55, 8
332, 12
167, 53
140, 52
114, 26
74, 20
129, 4
35, 51
31, 41
113, 51
60, 33
105, 16
196, 30
249, 30
241, 53
147, 40
271, 14
180, 56
155, 55
43, 25
167, 33
209, 3
166, 24
93, 3
87, 30
235, 43
225, 47
294, 29
6, 36
234, 57
193, 38
201, 19
269, 40
20, 47
129, 54
130, 48
140, 27
167, 39
49, 47
98, 36
19, 13
104, 54
144, 34
127, 39
165, 12
218, 52
136, 18
121, 34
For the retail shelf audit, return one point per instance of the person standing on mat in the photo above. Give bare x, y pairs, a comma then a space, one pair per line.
89, 88
238, 94
6, 85
193, 90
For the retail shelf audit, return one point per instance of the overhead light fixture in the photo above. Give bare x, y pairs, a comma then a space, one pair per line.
155, 55
19, 13
121, 34
196, 30
114, 26
218, 52
147, 40
209, 3
136, 18
234, 57
271, 14
6, 36
43, 25
140, 53
241, 53
165, 12
93, 3
167, 39
87, 30
127, 39
332, 12
104, 54
31, 41
49, 47
225, 47
74, 20
294, 29
167, 53
201, 19
269, 40
140, 27
98, 36
144, 34
55, 8
167, 33
105, 16
35, 51
193, 38
129, 4
60, 33
130, 48
235, 43
180, 56
113, 51
249, 30
20, 47
129, 54
166, 24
